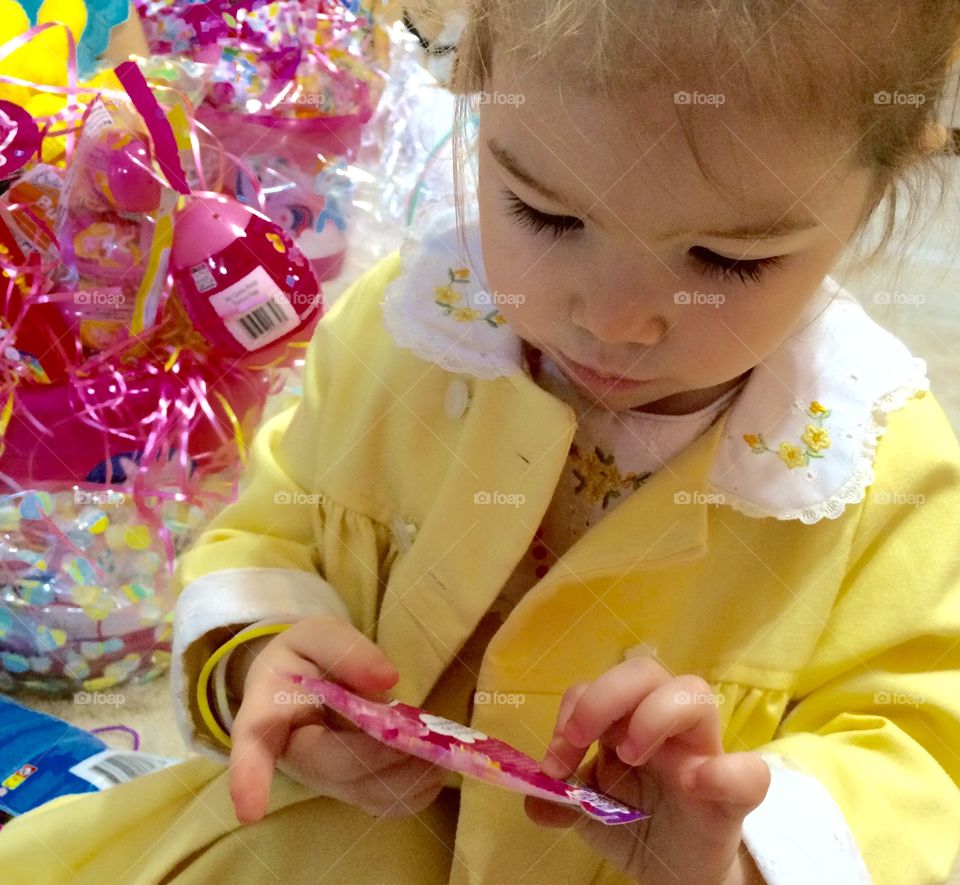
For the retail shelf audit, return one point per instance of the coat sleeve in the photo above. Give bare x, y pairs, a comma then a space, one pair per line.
258, 560
875, 721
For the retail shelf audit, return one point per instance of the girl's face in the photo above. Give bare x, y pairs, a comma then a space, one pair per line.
606, 247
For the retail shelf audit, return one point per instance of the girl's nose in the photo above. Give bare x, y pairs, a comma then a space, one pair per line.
616, 321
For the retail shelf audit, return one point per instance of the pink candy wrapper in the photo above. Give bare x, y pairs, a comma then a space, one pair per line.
460, 748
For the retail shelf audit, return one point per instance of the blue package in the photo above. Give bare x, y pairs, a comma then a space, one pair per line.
42, 757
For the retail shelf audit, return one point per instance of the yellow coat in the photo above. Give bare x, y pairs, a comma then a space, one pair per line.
832, 644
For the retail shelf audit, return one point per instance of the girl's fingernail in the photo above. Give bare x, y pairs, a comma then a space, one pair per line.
551, 765
573, 734
628, 752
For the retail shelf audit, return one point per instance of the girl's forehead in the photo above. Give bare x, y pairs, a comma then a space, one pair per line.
713, 125
689, 144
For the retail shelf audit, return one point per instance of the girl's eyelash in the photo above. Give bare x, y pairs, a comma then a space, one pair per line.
710, 262
723, 267
539, 221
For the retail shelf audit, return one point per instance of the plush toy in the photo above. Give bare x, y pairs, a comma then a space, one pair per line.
108, 28
105, 32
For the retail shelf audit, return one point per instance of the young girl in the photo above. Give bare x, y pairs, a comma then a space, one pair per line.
610, 469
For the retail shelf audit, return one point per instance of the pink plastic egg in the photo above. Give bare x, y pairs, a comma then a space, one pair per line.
119, 167
245, 286
19, 138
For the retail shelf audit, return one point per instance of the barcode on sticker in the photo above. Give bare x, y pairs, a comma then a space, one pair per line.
112, 767
261, 320
256, 310
265, 323
202, 278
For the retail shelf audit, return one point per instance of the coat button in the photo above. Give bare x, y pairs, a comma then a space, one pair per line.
456, 399
404, 532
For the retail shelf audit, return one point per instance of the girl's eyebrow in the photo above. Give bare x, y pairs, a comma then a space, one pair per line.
512, 165
781, 226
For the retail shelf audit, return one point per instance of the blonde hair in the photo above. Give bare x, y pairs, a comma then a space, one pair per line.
821, 66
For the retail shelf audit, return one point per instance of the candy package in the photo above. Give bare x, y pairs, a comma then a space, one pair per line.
460, 748
43, 758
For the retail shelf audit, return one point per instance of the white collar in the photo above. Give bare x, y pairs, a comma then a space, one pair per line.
798, 442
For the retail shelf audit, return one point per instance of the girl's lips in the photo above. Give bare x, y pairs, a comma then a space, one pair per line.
597, 381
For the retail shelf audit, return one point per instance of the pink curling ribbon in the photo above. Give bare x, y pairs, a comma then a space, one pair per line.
164, 144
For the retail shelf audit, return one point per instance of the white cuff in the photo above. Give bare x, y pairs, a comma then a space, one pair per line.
232, 597
798, 834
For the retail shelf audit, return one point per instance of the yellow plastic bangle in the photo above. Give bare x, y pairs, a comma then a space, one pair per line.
203, 702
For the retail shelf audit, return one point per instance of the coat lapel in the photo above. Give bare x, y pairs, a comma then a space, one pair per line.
513, 448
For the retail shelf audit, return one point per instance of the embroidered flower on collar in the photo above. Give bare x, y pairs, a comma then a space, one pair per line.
599, 477
815, 439
450, 301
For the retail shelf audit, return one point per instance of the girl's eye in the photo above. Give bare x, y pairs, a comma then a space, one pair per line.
721, 266
539, 221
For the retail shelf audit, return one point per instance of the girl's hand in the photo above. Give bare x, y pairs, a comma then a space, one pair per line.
660, 750
279, 725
